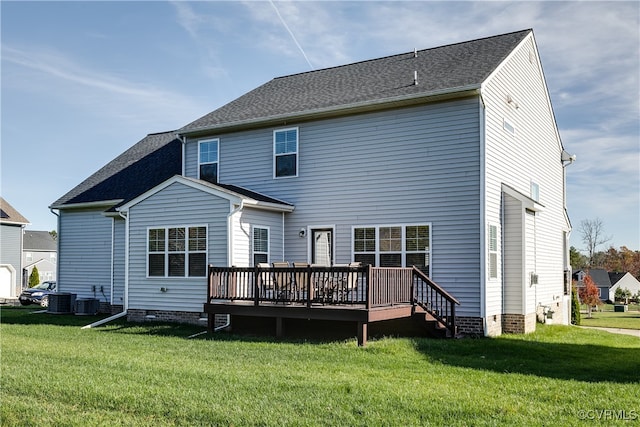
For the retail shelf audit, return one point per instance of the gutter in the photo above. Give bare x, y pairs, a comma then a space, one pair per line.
332, 111
87, 204
125, 307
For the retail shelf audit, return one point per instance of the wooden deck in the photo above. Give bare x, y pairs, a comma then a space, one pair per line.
358, 294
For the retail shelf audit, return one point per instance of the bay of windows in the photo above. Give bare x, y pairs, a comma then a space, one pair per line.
177, 252
393, 246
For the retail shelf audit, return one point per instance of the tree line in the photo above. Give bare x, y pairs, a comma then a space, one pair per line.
618, 260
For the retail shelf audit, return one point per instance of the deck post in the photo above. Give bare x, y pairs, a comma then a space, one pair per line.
279, 328
256, 286
308, 284
362, 334
369, 286
211, 323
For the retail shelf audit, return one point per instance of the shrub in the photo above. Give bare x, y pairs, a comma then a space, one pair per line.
575, 306
34, 278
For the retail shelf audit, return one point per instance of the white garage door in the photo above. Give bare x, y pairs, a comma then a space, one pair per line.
6, 281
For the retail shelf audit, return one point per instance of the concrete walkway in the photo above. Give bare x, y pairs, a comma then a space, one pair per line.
632, 332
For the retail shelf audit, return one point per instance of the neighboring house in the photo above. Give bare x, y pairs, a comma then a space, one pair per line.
12, 224
39, 249
623, 281
607, 282
446, 158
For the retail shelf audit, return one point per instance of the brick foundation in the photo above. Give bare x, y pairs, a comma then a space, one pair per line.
518, 323
470, 325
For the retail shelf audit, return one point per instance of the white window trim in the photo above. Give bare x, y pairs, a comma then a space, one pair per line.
495, 252
186, 252
253, 252
217, 162
403, 251
297, 152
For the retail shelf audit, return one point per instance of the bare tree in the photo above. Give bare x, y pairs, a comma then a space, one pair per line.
592, 231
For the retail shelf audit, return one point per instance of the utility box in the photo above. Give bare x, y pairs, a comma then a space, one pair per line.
87, 306
61, 303
620, 307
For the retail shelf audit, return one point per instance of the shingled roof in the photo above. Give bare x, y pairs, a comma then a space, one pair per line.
39, 241
154, 159
446, 69
8, 214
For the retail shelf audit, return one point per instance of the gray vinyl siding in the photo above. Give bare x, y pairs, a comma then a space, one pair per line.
176, 205
84, 252
531, 154
119, 232
11, 246
404, 166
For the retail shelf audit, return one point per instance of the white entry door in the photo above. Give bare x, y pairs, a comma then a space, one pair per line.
322, 247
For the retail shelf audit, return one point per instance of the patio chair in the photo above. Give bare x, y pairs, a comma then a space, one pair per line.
265, 281
283, 281
300, 278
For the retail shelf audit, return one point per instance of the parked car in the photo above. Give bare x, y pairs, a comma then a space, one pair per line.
39, 294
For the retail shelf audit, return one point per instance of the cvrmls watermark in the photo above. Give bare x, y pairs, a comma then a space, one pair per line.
609, 414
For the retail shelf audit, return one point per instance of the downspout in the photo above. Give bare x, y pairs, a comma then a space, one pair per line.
113, 251
283, 236
483, 208
125, 307
229, 258
230, 233
57, 245
184, 144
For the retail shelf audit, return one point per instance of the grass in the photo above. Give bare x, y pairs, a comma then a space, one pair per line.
606, 317
54, 373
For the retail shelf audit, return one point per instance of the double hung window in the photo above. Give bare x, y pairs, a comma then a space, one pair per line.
285, 153
208, 154
260, 245
177, 252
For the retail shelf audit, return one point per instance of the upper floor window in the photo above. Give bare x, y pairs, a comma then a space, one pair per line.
177, 252
285, 153
260, 245
208, 154
28, 256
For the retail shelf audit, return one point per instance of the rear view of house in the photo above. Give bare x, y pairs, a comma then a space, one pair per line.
445, 159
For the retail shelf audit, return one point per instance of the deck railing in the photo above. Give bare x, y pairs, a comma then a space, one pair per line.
435, 300
336, 285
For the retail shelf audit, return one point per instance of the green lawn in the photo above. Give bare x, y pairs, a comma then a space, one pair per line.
54, 373
606, 317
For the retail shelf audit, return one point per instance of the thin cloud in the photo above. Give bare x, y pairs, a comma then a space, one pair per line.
293, 37
126, 99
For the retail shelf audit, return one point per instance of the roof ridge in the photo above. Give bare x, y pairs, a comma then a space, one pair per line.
364, 61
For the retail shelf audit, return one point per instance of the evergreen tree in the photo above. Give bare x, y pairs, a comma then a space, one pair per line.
34, 278
575, 306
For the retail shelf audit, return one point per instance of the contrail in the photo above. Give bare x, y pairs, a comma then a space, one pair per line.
291, 34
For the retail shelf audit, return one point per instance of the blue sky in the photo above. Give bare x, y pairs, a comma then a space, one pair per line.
83, 81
